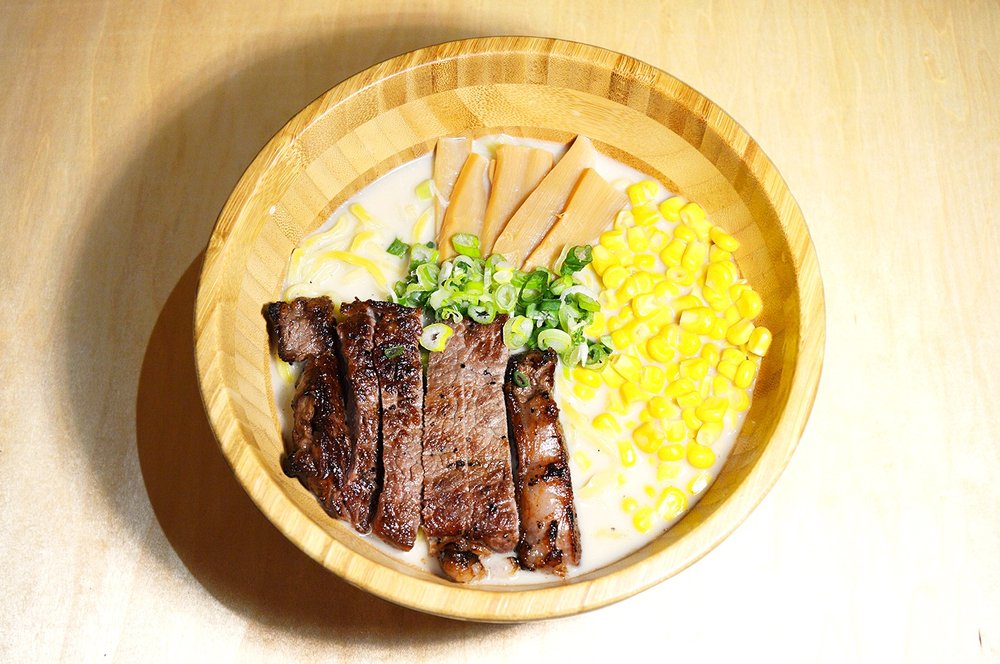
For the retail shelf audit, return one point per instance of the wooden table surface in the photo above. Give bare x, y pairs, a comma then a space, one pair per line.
124, 125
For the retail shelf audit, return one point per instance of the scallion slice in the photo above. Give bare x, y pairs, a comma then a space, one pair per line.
398, 248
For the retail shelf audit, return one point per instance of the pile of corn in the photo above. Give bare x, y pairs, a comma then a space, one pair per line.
681, 321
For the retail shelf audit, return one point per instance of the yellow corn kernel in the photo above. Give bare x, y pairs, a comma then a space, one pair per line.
745, 374
734, 355
740, 400
663, 316
598, 327
584, 392
624, 257
582, 460
680, 276
646, 215
631, 393
643, 519
695, 368
658, 239
739, 332
602, 259
659, 349
671, 503
630, 504
750, 304
645, 416
637, 194
676, 431
645, 261
721, 386
691, 418
673, 252
640, 331
622, 339
712, 409
711, 354
719, 329
697, 319
694, 256
665, 289
679, 387
705, 389
637, 239
653, 379
718, 300
588, 377
727, 369
629, 367
628, 289
700, 456
709, 433
759, 341
643, 282
724, 240
614, 276
615, 403
686, 302
672, 370
623, 220
613, 240
731, 315
671, 208
692, 214
718, 277
685, 233
648, 437
671, 452
718, 255
626, 452
666, 470
689, 400
736, 290
663, 408
699, 483
613, 379
689, 343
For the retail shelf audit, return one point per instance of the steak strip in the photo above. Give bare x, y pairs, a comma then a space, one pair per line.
401, 385
468, 505
356, 332
550, 536
304, 330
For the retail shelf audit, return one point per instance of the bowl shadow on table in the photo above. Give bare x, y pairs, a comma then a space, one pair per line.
226, 543
169, 190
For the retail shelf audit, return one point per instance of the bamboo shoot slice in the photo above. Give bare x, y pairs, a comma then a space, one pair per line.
467, 208
539, 211
591, 209
449, 157
519, 169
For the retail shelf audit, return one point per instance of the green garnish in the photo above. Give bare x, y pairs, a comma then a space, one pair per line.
520, 379
393, 351
398, 247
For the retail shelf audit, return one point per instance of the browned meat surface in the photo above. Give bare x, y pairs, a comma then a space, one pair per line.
468, 485
302, 328
320, 445
356, 332
550, 536
459, 563
401, 385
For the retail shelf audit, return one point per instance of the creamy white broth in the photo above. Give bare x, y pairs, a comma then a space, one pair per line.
393, 209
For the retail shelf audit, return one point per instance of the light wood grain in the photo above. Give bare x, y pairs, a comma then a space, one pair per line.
125, 127
397, 110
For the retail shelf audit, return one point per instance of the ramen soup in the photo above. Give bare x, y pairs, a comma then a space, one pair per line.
650, 400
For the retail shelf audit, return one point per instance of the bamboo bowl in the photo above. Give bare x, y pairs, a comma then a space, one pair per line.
547, 89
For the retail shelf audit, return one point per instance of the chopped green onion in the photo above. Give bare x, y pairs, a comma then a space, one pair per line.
555, 339
483, 313
466, 244
423, 253
505, 298
534, 287
435, 337
427, 275
520, 379
587, 303
576, 259
393, 351
398, 248
517, 331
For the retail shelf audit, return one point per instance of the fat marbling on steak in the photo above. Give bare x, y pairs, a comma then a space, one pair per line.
468, 502
550, 536
401, 385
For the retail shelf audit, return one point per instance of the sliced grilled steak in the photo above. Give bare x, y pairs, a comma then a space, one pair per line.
550, 536
356, 332
401, 385
302, 328
468, 485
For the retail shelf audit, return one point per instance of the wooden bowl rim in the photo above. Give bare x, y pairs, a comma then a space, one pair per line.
516, 604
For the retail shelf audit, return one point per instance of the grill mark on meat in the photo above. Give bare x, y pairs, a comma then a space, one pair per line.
355, 333
400, 379
468, 483
550, 536
304, 330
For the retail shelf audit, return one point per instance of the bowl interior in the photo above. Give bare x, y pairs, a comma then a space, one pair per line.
540, 88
